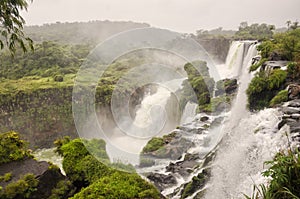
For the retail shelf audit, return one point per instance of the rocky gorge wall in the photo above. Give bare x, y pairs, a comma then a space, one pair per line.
40, 116
216, 47
43, 115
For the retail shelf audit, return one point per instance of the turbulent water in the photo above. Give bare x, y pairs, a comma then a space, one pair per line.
151, 119
249, 139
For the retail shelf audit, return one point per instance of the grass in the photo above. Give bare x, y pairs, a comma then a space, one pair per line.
32, 83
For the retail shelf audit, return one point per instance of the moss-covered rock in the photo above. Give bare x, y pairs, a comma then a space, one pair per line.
195, 184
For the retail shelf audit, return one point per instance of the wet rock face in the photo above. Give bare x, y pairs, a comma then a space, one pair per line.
291, 117
228, 86
174, 146
294, 92
47, 175
162, 181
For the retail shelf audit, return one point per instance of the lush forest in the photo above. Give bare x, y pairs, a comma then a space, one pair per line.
268, 89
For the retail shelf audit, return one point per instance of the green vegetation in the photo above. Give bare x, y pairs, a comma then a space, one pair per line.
195, 184
254, 31
12, 148
87, 166
216, 103
201, 83
63, 189
79, 32
11, 23
154, 144
23, 188
48, 60
6, 177
157, 143
285, 45
284, 172
264, 87
254, 67
119, 185
282, 96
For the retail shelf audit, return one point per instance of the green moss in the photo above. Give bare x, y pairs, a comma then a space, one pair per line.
6, 177
214, 104
154, 144
195, 184
254, 67
157, 143
198, 86
12, 148
63, 189
119, 185
146, 162
282, 96
263, 87
98, 180
22, 188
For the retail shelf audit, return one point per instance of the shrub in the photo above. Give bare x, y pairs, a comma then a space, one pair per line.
293, 70
282, 96
12, 148
257, 65
285, 174
119, 185
264, 87
23, 188
63, 189
6, 177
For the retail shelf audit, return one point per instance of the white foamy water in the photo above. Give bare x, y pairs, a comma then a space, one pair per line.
49, 155
248, 139
152, 119
143, 115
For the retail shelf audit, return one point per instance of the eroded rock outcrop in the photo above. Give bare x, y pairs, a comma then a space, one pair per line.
291, 117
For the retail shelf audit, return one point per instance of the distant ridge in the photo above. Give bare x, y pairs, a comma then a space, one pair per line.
91, 32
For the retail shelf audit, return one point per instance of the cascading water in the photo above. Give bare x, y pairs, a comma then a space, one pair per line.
127, 147
243, 142
188, 113
249, 141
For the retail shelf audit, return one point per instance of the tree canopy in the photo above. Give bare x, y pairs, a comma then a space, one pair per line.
12, 24
255, 31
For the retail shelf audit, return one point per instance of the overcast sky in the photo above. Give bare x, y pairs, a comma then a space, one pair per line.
177, 15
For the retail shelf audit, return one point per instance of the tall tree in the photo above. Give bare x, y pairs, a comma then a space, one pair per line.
11, 25
288, 23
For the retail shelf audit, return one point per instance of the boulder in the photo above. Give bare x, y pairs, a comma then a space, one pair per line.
162, 181
228, 86
293, 91
290, 110
185, 167
47, 175
294, 103
204, 118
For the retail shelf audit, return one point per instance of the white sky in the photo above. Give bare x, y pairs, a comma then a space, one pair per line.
177, 15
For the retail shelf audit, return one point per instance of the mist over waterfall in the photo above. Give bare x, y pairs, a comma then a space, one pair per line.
155, 116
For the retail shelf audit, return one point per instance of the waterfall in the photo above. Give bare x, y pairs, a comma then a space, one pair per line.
249, 139
143, 114
153, 118
188, 113
234, 61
